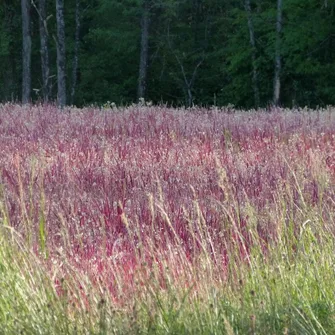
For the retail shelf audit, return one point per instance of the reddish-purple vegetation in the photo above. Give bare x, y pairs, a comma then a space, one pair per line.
114, 186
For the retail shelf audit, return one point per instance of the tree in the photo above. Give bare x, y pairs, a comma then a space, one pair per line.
44, 49
61, 56
188, 42
76, 51
109, 67
182, 52
253, 53
188, 80
145, 23
276, 86
26, 52
10, 50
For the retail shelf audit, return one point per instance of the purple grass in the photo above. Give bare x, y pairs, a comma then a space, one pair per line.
117, 185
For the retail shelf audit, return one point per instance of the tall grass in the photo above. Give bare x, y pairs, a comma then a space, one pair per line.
155, 221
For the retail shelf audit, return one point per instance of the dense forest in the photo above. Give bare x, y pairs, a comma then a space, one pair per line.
248, 53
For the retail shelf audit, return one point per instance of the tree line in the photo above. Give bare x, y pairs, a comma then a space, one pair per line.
249, 53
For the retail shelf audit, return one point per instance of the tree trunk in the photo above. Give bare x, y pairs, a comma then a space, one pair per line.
253, 53
61, 58
145, 23
26, 52
189, 97
76, 52
8, 75
276, 89
44, 37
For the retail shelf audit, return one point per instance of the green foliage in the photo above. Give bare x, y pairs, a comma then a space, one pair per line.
210, 32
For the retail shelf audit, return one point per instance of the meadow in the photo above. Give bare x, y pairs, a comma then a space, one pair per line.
151, 220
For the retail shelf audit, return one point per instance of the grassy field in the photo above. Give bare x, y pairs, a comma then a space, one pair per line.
151, 220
